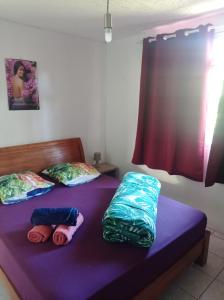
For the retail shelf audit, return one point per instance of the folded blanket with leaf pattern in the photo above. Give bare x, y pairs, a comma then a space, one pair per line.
131, 215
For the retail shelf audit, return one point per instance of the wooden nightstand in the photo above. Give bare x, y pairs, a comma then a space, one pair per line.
107, 169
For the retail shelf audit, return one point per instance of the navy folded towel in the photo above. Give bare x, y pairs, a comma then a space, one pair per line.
49, 216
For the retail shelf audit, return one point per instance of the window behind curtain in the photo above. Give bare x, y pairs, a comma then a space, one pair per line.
214, 89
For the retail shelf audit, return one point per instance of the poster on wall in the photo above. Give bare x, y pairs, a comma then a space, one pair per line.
21, 77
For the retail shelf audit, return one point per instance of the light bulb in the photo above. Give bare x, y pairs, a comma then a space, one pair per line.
108, 27
108, 35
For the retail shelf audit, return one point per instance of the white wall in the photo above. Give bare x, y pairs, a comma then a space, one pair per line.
123, 80
72, 80
71, 74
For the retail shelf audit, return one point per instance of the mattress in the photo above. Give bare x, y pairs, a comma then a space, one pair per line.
89, 267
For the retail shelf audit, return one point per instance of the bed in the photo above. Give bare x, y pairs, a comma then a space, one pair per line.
89, 267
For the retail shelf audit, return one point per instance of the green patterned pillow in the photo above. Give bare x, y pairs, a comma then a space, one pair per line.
22, 186
72, 174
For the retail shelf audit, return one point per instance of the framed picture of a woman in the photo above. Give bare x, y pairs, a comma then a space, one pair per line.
21, 77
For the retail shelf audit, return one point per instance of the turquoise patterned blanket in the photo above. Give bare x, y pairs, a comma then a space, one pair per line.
131, 215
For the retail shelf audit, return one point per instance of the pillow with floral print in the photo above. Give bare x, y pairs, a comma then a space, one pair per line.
72, 174
18, 187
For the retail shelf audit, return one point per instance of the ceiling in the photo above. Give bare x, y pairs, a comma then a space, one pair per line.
84, 18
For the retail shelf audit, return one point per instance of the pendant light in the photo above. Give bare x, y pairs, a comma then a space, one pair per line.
108, 25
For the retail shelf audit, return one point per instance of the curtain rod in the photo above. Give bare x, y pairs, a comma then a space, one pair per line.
218, 30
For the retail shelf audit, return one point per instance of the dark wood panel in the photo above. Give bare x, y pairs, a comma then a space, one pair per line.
37, 156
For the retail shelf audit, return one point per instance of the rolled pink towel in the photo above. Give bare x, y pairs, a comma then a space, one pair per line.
63, 233
39, 233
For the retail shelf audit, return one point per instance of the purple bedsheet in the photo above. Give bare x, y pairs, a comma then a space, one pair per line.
89, 267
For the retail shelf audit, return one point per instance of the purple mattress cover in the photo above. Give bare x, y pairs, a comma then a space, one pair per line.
89, 267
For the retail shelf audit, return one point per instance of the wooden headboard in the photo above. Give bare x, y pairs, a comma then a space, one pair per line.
36, 157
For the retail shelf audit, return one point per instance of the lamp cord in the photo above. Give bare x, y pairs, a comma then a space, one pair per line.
107, 6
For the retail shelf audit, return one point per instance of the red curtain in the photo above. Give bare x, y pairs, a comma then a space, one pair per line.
171, 120
215, 169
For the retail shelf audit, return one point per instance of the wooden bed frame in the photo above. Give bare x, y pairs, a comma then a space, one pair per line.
37, 156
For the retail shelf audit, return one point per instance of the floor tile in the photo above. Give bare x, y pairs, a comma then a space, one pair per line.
175, 293
216, 246
219, 235
3, 293
210, 229
6, 290
214, 265
221, 276
214, 292
194, 282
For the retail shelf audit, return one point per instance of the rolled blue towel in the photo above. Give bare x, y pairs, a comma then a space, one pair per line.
56, 216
